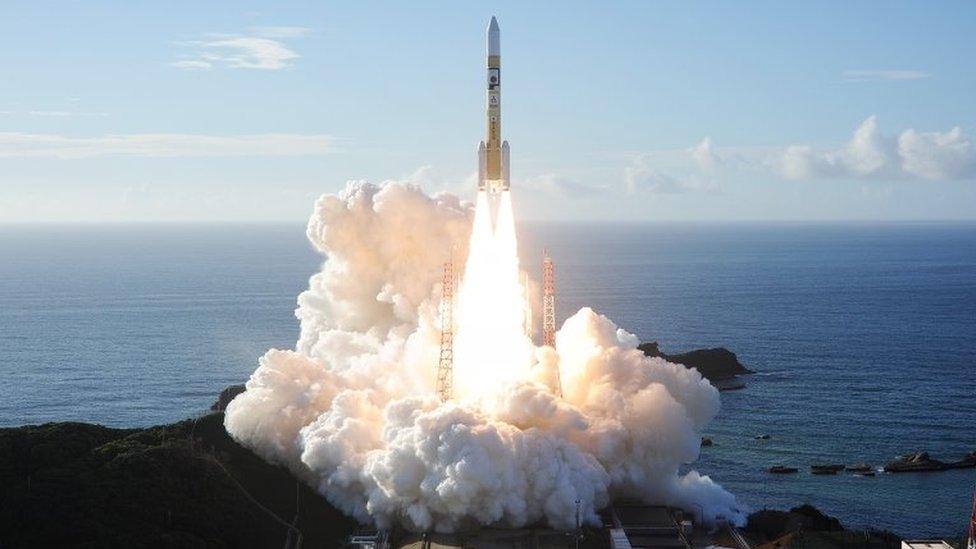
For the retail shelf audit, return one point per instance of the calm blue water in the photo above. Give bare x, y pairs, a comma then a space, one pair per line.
863, 335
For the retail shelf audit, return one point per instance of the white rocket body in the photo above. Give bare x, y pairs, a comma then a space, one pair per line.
493, 154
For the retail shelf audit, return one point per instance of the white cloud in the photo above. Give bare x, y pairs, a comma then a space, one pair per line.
677, 171
704, 155
280, 32
934, 155
50, 113
257, 50
868, 75
14, 144
248, 53
557, 184
641, 176
871, 154
64, 114
193, 65
422, 176
868, 155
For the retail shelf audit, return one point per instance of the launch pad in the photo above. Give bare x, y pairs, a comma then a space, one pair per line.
624, 526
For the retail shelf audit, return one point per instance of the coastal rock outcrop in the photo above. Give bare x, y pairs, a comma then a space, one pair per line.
226, 396
719, 365
807, 526
921, 461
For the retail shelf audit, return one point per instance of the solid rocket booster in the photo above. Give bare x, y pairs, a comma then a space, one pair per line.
493, 172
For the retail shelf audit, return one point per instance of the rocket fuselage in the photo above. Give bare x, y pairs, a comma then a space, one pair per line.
493, 143
493, 172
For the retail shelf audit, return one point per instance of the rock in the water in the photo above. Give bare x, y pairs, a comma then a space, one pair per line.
782, 470
921, 461
714, 364
826, 469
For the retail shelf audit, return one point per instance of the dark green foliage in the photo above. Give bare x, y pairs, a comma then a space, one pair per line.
808, 527
79, 485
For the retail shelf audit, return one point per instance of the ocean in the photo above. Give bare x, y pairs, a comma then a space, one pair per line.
862, 336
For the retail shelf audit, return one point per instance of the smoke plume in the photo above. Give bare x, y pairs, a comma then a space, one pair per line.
353, 409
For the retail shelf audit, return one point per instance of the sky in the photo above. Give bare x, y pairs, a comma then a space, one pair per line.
627, 111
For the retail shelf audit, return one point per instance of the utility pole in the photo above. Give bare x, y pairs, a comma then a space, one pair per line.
579, 532
972, 524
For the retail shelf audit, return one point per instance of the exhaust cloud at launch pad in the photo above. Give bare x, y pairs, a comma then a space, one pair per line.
353, 410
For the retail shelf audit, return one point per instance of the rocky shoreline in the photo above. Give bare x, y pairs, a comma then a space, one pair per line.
187, 484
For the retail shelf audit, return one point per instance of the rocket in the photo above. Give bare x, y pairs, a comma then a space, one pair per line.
493, 172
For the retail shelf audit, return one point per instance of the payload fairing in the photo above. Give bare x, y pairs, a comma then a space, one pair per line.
493, 171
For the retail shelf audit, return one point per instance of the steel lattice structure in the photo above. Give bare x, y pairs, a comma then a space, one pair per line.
445, 365
549, 312
548, 302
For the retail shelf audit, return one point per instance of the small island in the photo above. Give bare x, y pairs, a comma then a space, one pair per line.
718, 365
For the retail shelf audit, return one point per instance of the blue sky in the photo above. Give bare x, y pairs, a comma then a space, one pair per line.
642, 111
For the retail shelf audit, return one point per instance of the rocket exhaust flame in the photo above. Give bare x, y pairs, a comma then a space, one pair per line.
491, 349
353, 412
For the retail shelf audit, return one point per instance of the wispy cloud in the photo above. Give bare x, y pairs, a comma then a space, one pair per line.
193, 65
280, 32
64, 114
14, 144
642, 176
869, 75
558, 184
676, 171
258, 49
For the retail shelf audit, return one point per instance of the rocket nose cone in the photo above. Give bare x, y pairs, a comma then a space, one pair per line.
494, 45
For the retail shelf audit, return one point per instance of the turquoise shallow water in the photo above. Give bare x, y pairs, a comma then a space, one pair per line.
863, 336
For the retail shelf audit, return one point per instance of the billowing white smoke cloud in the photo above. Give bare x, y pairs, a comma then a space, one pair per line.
353, 410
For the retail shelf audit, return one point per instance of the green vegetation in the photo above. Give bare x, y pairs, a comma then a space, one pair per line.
181, 485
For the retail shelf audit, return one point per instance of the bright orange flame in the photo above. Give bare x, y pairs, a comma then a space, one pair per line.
491, 348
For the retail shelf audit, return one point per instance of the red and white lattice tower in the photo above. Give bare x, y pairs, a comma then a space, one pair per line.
549, 312
972, 525
445, 365
548, 302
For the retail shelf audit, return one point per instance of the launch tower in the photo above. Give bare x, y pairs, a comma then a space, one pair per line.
445, 365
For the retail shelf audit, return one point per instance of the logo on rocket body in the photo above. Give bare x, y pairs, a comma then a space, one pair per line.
493, 172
